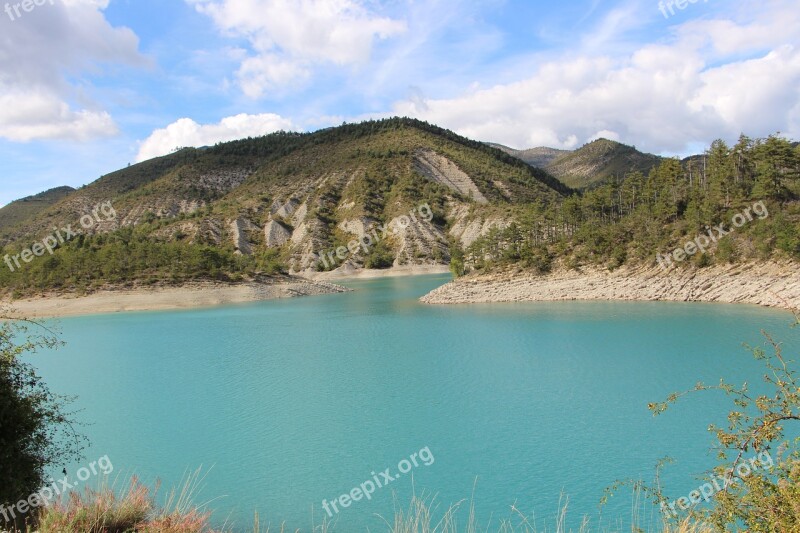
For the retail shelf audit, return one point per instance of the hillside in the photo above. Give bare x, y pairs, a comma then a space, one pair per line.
749, 193
598, 160
19, 211
400, 193
589, 165
281, 203
540, 157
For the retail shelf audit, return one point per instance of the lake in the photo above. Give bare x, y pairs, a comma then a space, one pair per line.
288, 403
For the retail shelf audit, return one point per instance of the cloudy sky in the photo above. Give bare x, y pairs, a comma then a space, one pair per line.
88, 86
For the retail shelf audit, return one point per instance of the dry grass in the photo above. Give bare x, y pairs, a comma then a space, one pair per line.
105, 510
423, 516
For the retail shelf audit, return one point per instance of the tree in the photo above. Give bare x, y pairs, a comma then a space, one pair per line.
720, 175
36, 432
666, 178
743, 161
631, 191
756, 485
764, 501
776, 167
457, 267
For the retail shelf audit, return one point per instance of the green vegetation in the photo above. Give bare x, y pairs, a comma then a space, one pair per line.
633, 218
598, 160
130, 255
37, 431
380, 257
760, 500
176, 211
19, 211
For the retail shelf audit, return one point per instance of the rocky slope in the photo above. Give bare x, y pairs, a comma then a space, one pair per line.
769, 284
303, 197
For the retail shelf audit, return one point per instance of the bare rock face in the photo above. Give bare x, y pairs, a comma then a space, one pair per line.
300, 234
164, 208
300, 214
222, 181
276, 234
469, 229
285, 209
441, 170
307, 241
210, 231
183, 230
357, 227
239, 229
346, 206
418, 242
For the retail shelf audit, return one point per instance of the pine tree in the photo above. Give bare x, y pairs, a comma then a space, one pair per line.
776, 166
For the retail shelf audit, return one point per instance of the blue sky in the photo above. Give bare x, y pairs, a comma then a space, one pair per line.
88, 86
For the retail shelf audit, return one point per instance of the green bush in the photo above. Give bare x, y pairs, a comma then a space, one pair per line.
726, 250
380, 257
43, 436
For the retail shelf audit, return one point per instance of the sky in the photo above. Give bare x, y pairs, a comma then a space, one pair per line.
89, 86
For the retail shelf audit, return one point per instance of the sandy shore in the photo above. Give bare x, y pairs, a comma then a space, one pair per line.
189, 296
348, 272
769, 284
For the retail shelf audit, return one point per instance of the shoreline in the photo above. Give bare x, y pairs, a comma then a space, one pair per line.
768, 284
346, 272
201, 294
192, 295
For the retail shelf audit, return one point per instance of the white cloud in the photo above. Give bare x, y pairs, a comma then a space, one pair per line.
186, 132
703, 83
290, 37
40, 51
259, 73
42, 115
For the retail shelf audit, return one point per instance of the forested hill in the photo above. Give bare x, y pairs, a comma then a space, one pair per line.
19, 211
276, 203
291, 203
590, 164
635, 216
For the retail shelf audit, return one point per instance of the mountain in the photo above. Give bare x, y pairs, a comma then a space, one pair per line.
387, 193
598, 160
24, 209
588, 165
294, 197
540, 157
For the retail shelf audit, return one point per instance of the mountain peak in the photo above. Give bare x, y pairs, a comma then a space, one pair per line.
589, 164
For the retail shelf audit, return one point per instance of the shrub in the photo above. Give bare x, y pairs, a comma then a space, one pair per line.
43, 437
380, 257
763, 502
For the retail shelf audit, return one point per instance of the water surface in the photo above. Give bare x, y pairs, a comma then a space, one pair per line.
292, 402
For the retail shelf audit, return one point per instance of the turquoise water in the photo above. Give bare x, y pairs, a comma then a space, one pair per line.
287, 403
